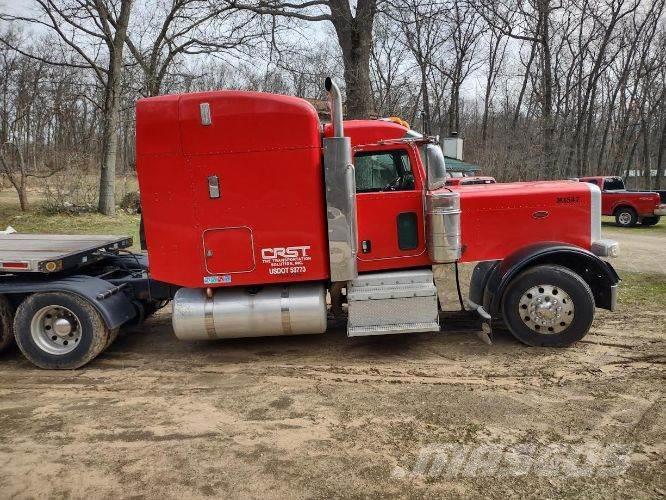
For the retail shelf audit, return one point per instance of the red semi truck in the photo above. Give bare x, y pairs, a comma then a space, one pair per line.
254, 211
628, 207
468, 181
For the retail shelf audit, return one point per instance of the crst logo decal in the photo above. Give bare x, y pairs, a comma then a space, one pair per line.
286, 260
568, 199
268, 254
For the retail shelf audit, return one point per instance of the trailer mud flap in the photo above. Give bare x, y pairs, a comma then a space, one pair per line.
109, 300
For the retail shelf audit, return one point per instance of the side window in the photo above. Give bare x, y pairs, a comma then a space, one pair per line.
383, 171
613, 184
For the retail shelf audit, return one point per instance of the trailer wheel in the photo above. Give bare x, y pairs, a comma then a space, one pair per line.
6, 326
548, 306
626, 217
650, 221
58, 330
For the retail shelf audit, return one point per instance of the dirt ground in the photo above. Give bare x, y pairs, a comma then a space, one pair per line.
326, 416
642, 249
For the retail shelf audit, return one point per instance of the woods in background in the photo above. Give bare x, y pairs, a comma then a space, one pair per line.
538, 88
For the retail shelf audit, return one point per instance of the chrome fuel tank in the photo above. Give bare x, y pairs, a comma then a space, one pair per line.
443, 226
238, 312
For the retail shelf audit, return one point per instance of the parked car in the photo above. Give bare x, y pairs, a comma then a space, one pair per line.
466, 181
628, 207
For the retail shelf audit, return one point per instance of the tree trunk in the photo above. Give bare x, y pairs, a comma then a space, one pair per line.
486, 108
519, 104
357, 84
427, 118
661, 157
355, 38
547, 90
454, 118
107, 182
22, 196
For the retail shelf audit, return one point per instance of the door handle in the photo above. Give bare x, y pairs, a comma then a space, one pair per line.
366, 246
213, 187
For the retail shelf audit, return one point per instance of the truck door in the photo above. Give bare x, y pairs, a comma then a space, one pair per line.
389, 201
613, 188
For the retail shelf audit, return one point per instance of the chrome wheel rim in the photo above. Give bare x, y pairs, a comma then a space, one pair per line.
56, 330
546, 309
625, 218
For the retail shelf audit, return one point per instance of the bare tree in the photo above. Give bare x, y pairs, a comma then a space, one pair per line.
497, 45
529, 20
93, 34
390, 72
183, 28
421, 24
466, 31
23, 117
353, 28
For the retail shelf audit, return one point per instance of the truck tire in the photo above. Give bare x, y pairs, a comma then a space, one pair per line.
548, 306
58, 330
6, 324
650, 221
626, 217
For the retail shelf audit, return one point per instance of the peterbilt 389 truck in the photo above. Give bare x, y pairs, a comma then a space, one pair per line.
260, 221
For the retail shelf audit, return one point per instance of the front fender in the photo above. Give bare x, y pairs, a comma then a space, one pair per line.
598, 274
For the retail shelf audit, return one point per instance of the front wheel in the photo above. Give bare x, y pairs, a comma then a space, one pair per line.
650, 221
548, 306
58, 330
626, 217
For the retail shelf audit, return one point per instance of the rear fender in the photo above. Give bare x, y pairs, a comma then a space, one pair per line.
113, 305
598, 274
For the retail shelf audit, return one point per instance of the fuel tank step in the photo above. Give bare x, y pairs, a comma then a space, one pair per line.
392, 302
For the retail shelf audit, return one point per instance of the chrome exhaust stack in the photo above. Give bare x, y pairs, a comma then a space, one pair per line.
340, 193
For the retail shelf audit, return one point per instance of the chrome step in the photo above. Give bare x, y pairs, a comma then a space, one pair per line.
392, 302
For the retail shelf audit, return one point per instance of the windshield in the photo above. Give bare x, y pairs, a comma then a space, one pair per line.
433, 159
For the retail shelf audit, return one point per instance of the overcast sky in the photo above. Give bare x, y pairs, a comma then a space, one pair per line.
13, 6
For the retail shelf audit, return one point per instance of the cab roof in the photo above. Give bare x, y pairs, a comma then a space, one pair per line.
369, 131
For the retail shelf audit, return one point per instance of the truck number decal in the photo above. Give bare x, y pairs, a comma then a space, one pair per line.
568, 199
286, 260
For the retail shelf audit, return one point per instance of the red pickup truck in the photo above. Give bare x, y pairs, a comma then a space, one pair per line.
628, 207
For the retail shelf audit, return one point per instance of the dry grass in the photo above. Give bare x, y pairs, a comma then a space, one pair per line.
36, 221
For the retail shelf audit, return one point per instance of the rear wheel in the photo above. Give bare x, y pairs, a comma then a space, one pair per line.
650, 221
626, 217
548, 306
58, 330
6, 326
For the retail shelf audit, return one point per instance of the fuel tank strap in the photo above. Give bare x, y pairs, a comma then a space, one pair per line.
284, 311
209, 317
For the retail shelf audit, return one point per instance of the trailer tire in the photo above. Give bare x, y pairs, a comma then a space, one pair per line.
548, 306
626, 217
650, 221
58, 330
6, 324
111, 337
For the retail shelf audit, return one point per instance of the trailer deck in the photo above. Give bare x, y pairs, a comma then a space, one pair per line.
46, 253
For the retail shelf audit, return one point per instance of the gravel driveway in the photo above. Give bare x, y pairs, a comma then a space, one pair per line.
641, 249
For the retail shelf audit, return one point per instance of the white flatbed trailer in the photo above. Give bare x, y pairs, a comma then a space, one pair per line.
63, 297
47, 253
